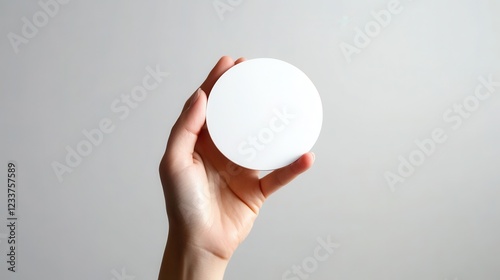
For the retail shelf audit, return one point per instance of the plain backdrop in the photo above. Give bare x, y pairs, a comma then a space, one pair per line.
382, 93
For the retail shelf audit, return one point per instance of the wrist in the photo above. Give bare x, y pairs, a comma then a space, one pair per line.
184, 261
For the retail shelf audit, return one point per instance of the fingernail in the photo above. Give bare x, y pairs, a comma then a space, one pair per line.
314, 156
195, 97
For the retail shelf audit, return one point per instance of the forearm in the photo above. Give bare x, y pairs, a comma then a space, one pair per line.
184, 262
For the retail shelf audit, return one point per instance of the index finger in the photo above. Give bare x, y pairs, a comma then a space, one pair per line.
222, 66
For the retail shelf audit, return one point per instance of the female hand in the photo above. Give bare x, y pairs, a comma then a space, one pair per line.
211, 203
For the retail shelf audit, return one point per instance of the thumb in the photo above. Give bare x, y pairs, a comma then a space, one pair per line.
184, 134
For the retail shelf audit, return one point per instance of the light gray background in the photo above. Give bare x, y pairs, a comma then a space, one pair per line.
106, 219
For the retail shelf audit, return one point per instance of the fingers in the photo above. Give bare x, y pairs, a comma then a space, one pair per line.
241, 59
184, 134
222, 66
280, 177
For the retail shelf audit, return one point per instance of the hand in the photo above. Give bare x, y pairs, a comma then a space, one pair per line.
211, 203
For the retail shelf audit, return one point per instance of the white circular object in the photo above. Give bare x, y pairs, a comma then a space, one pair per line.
264, 114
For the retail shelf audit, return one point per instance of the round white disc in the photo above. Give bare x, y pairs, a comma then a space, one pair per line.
264, 114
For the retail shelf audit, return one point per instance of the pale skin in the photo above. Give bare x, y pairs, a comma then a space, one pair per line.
210, 209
